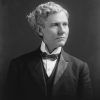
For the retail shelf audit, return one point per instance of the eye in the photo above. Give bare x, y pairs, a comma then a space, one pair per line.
65, 24
54, 24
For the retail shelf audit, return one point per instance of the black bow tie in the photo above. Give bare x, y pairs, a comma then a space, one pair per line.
52, 57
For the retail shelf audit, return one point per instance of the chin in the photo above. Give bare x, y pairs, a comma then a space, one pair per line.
61, 44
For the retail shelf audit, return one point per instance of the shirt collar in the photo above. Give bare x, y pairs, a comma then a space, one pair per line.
44, 49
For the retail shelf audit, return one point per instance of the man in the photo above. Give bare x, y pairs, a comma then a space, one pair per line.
49, 72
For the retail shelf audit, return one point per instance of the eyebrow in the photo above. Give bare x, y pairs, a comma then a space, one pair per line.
53, 23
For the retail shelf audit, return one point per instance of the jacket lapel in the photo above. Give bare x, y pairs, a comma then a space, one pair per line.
62, 66
36, 71
35, 68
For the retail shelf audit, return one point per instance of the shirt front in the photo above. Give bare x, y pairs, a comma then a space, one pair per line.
49, 64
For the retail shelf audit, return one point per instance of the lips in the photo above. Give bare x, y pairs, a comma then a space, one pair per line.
60, 38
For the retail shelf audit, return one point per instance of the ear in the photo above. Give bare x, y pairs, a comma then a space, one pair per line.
40, 31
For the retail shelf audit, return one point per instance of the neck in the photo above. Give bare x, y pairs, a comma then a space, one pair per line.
50, 50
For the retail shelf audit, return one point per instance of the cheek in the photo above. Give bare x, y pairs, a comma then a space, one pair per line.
52, 33
67, 32
67, 29
53, 30
49, 36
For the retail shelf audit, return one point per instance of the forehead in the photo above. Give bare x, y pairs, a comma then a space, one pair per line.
57, 17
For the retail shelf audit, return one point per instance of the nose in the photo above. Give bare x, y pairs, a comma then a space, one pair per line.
61, 30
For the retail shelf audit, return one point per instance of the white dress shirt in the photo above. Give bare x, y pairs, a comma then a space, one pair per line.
49, 64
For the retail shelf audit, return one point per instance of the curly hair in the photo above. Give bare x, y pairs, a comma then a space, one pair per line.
37, 17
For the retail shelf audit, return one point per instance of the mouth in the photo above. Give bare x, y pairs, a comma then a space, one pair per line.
60, 38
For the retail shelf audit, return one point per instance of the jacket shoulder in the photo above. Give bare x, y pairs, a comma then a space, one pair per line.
77, 65
27, 56
73, 59
25, 59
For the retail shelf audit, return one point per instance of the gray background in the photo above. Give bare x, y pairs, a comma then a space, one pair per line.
17, 37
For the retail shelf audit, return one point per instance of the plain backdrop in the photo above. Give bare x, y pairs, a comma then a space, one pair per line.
17, 37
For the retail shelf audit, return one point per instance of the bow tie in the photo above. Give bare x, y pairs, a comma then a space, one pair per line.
52, 57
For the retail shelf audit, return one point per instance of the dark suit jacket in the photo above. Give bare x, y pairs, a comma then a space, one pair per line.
26, 80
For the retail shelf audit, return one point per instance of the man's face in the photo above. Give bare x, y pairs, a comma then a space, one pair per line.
56, 30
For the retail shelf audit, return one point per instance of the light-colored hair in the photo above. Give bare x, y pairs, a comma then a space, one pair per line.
37, 17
